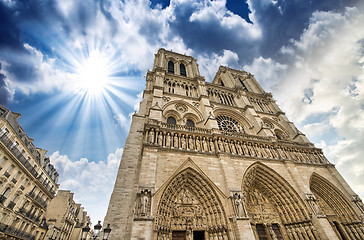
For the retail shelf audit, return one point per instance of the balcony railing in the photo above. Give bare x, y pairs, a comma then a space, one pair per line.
18, 233
9, 144
41, 201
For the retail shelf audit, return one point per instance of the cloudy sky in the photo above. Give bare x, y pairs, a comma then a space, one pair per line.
308, 53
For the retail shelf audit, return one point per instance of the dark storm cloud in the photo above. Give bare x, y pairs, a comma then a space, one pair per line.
286, 20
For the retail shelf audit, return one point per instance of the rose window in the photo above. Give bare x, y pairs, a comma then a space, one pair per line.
229, 124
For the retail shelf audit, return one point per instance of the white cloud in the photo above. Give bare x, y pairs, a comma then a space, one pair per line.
91, 182
209, 64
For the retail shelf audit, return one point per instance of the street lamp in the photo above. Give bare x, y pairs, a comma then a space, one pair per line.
97, 229
85, 231
107, 231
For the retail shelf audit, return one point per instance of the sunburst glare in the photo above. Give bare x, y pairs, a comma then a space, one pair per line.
92, 75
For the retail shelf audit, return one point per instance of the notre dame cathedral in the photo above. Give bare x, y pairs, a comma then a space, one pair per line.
221, 160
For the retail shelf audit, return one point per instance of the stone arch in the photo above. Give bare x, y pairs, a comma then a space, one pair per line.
172, 113
338, 209
276, 126
190, 202
286, 208
246, 124
182, 107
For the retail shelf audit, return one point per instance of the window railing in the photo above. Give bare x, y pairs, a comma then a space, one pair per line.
41, 201
9, 144
19, 233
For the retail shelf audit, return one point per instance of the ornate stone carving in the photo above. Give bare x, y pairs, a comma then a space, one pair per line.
166, 99
196, 104
238, 204
181, 107
143, 205
358, 202
313, 202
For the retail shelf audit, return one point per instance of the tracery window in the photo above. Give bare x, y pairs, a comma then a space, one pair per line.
170, 67
279, 134
229, 124
182, 70
171, 120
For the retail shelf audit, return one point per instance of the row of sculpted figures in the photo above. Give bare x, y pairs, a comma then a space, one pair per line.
198, 143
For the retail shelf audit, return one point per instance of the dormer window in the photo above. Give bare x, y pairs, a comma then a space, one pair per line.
170, 67
182, 69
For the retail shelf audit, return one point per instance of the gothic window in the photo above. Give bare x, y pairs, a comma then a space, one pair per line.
171, 120
170, 67
190, 123
182, 69
222, 83
229, 124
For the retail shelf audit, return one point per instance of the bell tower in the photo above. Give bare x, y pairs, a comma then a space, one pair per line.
221, 160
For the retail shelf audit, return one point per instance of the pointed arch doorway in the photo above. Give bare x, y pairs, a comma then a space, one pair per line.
190, 209
275, 209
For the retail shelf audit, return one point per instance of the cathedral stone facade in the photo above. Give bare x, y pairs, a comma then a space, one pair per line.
221, 160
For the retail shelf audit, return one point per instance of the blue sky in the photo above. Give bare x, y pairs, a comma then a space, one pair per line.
309, 54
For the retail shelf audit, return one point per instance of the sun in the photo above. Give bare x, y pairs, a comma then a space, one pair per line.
93, 73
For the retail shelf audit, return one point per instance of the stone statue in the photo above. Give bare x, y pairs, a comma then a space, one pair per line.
232, 147
204, 145
212, 145
190, 143
160, 139
239, 207
221, 146
198, 145
183, 142
168, 140
238, 147
226, 144
175, 141
151, 136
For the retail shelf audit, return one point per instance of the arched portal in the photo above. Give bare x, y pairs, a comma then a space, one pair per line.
337, 208
275, 209
190, 206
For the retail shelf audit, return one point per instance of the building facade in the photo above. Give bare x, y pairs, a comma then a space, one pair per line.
28, 182
65, 218
221, 160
